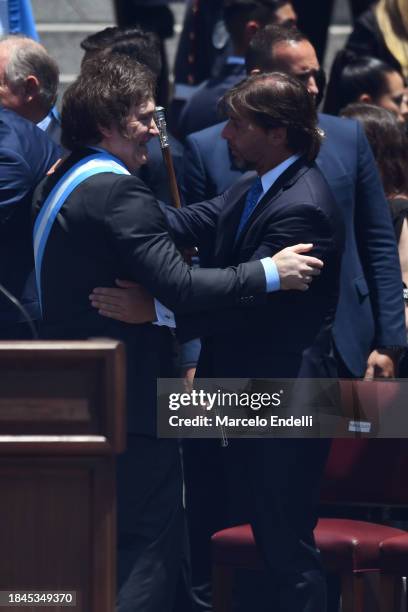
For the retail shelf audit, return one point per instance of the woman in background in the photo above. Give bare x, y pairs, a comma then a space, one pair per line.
390, 147
382, 32
368, 80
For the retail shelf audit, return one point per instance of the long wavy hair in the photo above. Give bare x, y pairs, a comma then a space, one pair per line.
388, 142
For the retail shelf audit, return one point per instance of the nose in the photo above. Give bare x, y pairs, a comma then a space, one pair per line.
153, 130
312, 86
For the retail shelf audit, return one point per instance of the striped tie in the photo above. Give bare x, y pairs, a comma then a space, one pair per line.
250, 203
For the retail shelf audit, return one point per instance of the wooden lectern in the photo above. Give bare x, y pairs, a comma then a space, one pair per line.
62, 421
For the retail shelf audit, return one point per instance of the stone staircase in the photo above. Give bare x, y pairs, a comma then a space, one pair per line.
62, 24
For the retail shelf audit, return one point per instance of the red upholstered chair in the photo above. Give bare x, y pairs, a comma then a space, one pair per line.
393, 565
361, 472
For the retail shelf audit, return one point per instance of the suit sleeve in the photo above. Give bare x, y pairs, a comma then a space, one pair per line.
194, 225
378, 251
304, 223
138, 233
16, 182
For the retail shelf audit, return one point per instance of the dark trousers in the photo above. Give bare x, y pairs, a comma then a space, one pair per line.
151, 527
274, 485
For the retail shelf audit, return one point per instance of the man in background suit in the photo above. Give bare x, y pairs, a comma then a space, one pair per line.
29, 82
369, 326
285, 200
242, 19
26, 154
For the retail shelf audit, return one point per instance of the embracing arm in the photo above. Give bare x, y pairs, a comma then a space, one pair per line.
195, 224
139, 234
296, 271
131, 303
302, 223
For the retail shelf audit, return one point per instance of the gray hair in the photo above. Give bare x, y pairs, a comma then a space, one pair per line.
27, 57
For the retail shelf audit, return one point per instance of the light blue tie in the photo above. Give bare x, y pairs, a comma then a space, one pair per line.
250, 204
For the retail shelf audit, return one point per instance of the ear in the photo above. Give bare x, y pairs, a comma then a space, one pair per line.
31, 87
365, 98
251, 28
105, 131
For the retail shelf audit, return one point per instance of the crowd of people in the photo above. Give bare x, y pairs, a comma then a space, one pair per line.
300, 220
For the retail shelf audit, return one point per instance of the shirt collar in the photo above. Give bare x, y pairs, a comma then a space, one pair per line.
44, 123
236, 59
270, 177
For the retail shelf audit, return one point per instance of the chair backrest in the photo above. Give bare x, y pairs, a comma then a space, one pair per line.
369, 471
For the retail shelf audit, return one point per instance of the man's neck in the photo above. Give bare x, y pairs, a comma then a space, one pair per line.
268, 165
272, 175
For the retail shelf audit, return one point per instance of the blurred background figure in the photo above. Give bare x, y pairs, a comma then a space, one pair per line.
382, 32
205, 44
16, 17
152, 16
365, 79
242, 18
314, 17
390, 147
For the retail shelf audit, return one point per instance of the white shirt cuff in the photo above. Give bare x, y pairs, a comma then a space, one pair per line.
165, 317
271, 274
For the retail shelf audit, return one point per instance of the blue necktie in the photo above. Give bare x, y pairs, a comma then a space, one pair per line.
250, 203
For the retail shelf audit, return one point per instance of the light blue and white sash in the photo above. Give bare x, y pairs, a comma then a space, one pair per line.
88, 166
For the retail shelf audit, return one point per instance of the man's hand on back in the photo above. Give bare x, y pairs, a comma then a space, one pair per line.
131, 303
296, 271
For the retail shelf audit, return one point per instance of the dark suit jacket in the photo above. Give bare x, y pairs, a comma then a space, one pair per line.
201, 110
111, 227
371, 311
26, 154
289, 333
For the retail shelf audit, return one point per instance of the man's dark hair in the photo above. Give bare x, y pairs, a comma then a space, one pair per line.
103, 96
237, 13
260, 51
100, 40
142, 46
353, 75
277, 100
389, 144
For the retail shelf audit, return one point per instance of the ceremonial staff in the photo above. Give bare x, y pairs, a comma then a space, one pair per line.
168, 160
